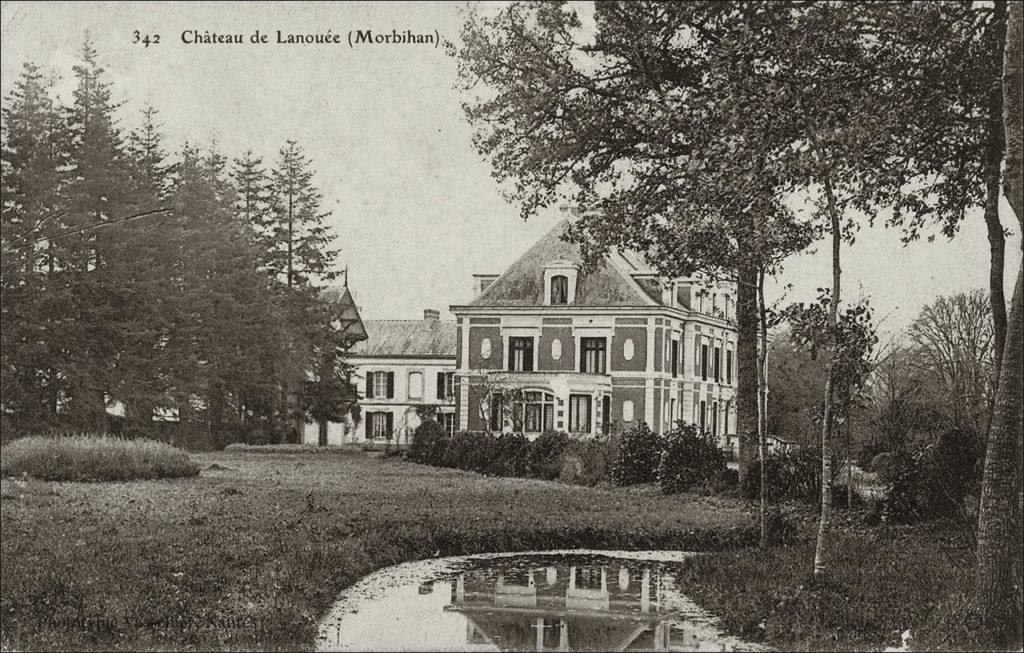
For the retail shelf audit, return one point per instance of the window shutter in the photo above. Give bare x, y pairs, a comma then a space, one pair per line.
368, 420
390, 423
391, 385
696, 355
440, 386
369, 385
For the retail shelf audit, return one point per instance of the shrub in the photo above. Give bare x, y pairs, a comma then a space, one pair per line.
510, 454
932, 482
725, 480
792, 475
885, 465
429, 443
869, 451
638, 457
469, 450
586, 462
544, 459
94, 458
690, 459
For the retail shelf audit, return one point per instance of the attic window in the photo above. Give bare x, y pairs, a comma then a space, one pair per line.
560, 283
559, 289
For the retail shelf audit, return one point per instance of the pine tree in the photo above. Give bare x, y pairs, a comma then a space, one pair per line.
112, 292
295, 234
236, 338
33, 151
298, 255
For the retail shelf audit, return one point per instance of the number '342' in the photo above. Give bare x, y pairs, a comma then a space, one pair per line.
145, 39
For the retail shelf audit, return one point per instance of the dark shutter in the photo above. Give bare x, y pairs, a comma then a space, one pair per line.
391, 385
496, 421
368, 418
369, 385
440, 386
390, 424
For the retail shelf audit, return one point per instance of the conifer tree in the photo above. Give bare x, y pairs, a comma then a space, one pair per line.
33, 151
295, 234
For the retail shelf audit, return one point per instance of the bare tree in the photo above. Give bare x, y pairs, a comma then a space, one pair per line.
954, 341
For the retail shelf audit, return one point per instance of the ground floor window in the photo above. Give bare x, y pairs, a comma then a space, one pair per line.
379, 424
579, 413
448, 422
536, 413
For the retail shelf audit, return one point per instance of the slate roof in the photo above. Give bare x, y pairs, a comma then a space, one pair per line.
523, 283
408, 338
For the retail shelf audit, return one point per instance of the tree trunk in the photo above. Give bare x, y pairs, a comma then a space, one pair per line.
993, 165
849, 466
820, 567
1000, 510
762, 403
746, 365
998, 514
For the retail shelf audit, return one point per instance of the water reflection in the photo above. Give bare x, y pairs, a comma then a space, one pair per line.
529, 602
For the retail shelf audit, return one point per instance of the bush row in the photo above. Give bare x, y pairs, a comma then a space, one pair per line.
682, 460
94, 458
553, 455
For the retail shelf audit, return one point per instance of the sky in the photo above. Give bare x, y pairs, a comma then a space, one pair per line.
414, 206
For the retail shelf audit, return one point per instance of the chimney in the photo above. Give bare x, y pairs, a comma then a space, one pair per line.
570, 211
431, 315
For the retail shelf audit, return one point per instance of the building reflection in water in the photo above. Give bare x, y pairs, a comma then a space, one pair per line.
574, 608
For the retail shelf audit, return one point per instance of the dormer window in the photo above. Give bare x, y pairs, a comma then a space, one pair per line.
560, 283
559, 289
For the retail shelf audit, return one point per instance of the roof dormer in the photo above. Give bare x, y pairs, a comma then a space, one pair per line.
560, 282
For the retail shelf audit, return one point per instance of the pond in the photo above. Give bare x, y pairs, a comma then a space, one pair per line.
539, 601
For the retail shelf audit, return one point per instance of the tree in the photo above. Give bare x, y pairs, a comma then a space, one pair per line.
34, 149
252, 182
234, 342
954, 338
940, 62
999, 515
294, 233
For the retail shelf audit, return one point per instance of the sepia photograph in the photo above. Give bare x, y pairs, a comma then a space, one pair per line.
511, 325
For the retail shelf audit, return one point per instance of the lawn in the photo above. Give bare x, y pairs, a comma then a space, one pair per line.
253, 551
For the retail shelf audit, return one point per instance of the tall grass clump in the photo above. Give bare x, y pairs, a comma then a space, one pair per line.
93, 458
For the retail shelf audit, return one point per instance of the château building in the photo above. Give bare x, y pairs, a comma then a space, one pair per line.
550, 344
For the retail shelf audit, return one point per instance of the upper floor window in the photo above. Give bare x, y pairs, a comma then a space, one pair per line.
559, 289
380, 385
593, 355
520, 354
728, 366
415, 385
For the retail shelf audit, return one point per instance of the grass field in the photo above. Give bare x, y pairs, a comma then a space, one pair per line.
253, 551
